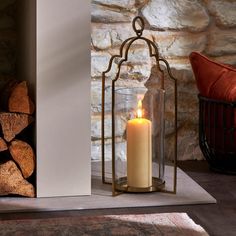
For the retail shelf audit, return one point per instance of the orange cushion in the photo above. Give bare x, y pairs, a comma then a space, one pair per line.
214, 80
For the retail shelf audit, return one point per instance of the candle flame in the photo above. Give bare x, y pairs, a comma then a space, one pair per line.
139, 110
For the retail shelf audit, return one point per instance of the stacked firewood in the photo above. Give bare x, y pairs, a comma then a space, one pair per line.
17, 159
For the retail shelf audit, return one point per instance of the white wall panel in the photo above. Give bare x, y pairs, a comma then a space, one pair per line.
63, 97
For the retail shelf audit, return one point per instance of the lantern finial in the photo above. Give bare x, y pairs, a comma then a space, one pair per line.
139, 19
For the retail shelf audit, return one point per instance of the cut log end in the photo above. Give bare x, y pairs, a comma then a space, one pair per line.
12, 124
3, 145
12, 181
22, 153
19, 100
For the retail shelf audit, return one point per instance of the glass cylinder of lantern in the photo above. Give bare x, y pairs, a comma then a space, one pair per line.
138, 139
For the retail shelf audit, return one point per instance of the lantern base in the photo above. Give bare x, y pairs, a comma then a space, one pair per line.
157, 185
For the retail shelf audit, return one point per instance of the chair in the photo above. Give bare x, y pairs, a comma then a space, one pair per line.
217, 112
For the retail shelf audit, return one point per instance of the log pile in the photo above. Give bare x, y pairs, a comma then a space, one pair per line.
17, 159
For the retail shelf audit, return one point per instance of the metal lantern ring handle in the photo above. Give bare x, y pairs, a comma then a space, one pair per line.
139, 32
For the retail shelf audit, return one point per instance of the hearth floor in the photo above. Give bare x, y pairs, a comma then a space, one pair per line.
188, 192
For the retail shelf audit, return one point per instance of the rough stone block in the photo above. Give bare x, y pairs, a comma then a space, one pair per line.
96, 97
99, 63
96, 150
126, 4
222, 42
104, 36
188, 134
224, 12
105, 15
137, 67
120, 123
177, 44
183, 14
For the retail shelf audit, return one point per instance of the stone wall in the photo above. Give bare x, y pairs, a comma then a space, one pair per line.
178, 27
7, 40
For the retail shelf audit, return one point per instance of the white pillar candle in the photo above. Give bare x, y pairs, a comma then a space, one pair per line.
139, 152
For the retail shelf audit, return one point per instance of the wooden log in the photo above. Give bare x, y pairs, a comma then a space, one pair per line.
12, 124
23, 155
19, 100
12, 181
3, 145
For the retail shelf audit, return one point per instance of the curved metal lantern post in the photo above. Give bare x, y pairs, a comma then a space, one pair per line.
121, 185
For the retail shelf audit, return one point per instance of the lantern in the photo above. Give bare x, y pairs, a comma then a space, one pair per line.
137, 124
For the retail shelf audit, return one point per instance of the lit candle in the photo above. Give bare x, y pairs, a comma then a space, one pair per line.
139, 151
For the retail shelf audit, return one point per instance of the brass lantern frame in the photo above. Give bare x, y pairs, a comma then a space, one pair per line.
123, 56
